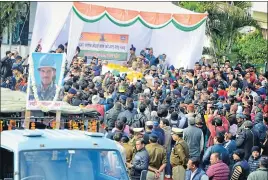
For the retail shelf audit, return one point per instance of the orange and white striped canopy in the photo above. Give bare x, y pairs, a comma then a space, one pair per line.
154, 15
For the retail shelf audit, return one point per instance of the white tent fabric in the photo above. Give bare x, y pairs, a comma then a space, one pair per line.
49, 20
182, 48
63, 35
76, 27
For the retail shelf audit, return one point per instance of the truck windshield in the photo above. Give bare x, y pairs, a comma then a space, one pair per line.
72, 165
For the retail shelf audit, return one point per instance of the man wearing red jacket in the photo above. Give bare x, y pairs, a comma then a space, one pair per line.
216, 123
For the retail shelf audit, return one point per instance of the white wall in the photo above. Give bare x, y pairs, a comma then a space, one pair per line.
259, 6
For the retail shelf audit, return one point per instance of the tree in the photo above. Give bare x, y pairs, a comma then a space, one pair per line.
10, 15
224, 20
251, 48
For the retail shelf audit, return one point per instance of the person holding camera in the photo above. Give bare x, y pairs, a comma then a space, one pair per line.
163, 64
150, 56
216, 123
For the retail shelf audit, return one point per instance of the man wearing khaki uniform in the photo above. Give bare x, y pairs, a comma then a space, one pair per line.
128, 148
138, 133
158, 159
179, 155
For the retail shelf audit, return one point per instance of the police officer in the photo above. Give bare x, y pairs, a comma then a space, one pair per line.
128, 148
69, 96
148, 131
158, 159
137, 135
179, 155
47, 71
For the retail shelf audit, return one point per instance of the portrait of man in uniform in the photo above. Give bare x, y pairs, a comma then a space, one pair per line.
46, 89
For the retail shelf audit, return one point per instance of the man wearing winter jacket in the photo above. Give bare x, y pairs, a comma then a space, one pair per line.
128, 113
217, 148
259, 126
262, 172
217, 169
139, 119
159, 132
194, 137
111, 116
6, 64
140, 161
247, 138
194, 172
240, 169
254, 159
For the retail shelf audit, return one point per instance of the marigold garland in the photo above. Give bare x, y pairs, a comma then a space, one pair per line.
33, 84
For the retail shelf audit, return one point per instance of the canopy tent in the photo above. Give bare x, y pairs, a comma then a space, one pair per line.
169, 29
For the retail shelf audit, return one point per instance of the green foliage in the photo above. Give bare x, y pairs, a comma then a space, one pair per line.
251, 48
199, 7
10, 14
224, 20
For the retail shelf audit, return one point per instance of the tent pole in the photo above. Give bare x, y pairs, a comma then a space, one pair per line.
58, 115
27, 119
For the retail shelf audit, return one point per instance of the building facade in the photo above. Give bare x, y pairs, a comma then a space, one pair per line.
259, 13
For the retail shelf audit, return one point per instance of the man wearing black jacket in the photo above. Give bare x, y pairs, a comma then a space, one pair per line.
6, 65
140, 161
247, 139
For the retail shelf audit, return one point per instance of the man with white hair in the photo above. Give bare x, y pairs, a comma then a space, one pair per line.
98, 107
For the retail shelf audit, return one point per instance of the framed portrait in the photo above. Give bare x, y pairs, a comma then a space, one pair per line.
46, 80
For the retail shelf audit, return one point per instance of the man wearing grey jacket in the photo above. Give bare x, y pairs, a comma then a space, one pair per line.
164, 124
194, 137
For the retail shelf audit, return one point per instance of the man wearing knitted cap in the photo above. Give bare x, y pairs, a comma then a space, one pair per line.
241, 168
47, 71
261, 173
254, 159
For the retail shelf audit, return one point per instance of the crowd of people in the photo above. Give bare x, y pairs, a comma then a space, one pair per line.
208, 122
